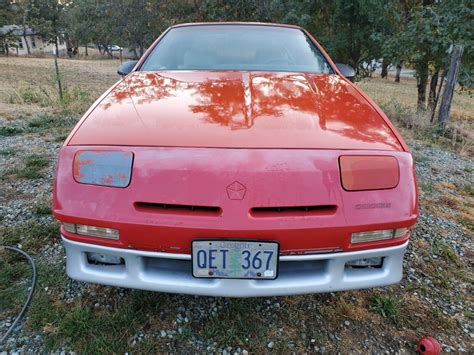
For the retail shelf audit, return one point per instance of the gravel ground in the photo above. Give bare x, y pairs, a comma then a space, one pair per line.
317, 325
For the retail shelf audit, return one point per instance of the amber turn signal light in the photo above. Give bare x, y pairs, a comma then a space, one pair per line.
368, 172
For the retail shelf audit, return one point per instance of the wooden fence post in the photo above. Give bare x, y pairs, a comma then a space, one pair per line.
454, 63
56, 67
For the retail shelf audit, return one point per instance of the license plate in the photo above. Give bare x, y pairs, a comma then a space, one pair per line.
235, 259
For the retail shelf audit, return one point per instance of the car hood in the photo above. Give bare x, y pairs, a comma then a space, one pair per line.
236, 110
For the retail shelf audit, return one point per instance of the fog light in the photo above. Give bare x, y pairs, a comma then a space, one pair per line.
377, 235
96, 258
373, 262
92, 231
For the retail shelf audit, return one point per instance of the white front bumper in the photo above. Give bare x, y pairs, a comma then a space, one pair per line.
298, 274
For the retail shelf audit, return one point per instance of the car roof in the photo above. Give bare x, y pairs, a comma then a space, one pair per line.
224, 23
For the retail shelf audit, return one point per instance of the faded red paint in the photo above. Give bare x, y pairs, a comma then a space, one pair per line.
77, 165
193, 135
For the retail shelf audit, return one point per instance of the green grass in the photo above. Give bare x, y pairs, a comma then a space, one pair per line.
467, 223
6, 131
42, 208
427, 187
468, 190
32, 236
14, 270
60, 138
444, 250
236, 324
7, 152
387, 306
49, 122
31, 168
88, 329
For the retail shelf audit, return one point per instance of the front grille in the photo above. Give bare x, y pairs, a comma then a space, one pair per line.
166, 208
280, 211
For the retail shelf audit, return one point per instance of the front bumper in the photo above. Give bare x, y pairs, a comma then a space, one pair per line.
298, 274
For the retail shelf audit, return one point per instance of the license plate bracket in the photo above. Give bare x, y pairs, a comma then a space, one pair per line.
235, 259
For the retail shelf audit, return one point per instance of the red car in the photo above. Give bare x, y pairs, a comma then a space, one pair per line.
235, 159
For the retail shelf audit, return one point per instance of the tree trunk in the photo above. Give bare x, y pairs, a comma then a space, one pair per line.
87, 53
28, 51
422, 82
384, 73
135, 53
399, 70
433, 86
454, 63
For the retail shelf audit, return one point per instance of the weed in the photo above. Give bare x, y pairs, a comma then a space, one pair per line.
31, 169
421, 158
234, 325
466, 220
469, 314
13, 270
34, 95
33, 236
75, 99
387, 306
45, 122
443, 279
427, 187
444, 250
42, 208
60, 138
468, 190
7, 152
10, 131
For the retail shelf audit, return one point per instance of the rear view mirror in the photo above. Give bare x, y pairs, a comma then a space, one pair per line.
347, 71
127, 67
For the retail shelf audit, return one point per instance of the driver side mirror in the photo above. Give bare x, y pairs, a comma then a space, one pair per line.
125, 68
347, 71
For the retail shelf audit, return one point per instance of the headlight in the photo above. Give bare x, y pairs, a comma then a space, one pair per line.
378, 235
104, 168
92, 231
368, 172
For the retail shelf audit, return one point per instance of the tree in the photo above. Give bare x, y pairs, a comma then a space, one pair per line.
47, 18
7, 17
428, 31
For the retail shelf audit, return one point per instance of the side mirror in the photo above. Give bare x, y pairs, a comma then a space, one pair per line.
347, 71
126, 68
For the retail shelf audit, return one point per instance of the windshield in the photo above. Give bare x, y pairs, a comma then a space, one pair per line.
236, 47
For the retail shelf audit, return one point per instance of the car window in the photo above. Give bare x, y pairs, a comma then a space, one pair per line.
236, 47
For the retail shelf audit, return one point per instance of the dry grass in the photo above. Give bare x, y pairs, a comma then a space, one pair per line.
398, 100
28, 85
384, 91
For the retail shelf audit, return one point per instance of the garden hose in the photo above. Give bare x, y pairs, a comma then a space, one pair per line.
30, 295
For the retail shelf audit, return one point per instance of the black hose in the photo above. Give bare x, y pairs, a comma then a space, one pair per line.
30, 295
